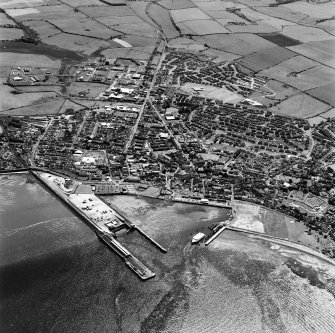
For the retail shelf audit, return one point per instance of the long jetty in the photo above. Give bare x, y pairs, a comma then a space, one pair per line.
215, 235
160, 247
131, 261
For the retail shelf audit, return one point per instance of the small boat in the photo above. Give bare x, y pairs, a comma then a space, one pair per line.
198, 237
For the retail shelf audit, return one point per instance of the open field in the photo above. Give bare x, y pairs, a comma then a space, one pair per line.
10, 34
91, 90
137, 53
56, 89
247, 216
186, 43
241, 44
85, 45
300, 105
205, 27
162, 18
273, 91
8, 100
266, 58
51, 107
11, 59
68, 105
212, 92
220, 56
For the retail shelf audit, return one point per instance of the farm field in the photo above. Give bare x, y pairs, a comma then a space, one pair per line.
325, 93
266, 58
313, 52
222, 94
301, 106
241, 44
180, 4
205, 27
182, 15
162, 19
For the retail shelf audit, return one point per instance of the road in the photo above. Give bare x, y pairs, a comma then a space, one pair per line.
147, 97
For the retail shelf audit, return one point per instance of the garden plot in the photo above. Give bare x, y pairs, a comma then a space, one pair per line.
305, 34
266, 58
205, 27
180, 4
325, 93
189, 14
241, 44
162, 18
300, 105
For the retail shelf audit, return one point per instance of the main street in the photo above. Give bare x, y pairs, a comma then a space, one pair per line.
147, 96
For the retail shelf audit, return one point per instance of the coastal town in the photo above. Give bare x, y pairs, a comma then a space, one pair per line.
183, 129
